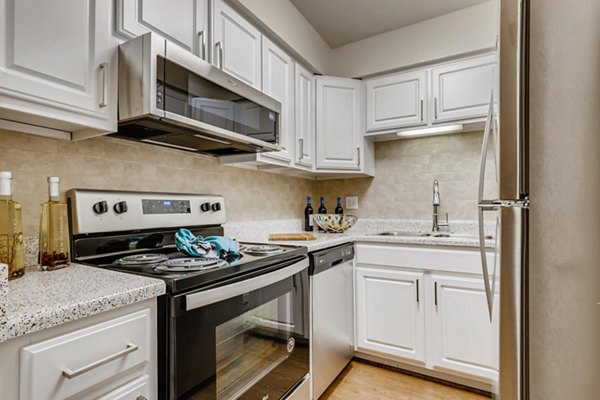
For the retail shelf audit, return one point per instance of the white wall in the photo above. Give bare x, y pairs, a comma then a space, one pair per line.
283, 20
462, 32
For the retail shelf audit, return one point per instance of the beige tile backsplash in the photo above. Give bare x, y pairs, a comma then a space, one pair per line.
107, 163
405, 170
404, 175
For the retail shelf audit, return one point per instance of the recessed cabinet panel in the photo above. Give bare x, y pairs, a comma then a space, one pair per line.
183, 22
305, 117
463, 337
462, 90
390, 315
397, 101
57, 61
278, 82
236, 45
339, 123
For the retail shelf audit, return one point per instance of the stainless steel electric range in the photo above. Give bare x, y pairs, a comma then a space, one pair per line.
234, 328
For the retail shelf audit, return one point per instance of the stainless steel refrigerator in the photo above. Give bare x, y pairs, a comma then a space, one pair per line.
506, 142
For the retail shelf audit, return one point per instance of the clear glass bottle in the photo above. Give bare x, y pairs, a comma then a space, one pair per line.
11, 229
54, 230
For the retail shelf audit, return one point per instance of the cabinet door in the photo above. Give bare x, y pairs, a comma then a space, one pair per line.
278, 82
305, 117
390, 314
339, 105
397, 101
462, 90
237, 45
57, 61
462, 337
138, 389
184, 22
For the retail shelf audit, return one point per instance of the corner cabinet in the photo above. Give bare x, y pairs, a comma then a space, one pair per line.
58, 68
339, 123
390, 314
183, 22
236, 45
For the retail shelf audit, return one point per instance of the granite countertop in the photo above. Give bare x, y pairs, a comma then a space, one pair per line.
364, 232
40, 300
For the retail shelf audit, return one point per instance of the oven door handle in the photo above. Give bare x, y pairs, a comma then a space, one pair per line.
201, 299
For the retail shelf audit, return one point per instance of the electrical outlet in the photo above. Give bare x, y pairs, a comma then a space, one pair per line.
351, 202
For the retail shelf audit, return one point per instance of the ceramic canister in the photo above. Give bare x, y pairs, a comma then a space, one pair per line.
3, 288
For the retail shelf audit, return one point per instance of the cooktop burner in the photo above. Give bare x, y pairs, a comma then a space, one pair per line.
141, 259
262, 249
188, 264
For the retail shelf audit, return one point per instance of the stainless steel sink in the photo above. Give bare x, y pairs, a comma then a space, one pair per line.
404, 234
432, 234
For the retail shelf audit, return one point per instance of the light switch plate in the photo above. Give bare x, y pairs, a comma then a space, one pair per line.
351, 202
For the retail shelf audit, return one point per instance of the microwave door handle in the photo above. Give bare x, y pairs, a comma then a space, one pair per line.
489, 295
484, 149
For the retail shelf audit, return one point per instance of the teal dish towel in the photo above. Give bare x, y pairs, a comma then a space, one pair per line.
211, 246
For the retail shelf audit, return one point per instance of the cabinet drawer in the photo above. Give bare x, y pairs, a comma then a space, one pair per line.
138, 389
68, 364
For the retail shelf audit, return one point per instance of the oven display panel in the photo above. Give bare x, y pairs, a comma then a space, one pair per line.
150, 206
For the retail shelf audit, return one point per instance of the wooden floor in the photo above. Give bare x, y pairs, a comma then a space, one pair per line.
365, 381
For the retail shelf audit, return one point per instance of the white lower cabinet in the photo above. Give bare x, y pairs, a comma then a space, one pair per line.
139, 389
390, 316
426, 311
462, 336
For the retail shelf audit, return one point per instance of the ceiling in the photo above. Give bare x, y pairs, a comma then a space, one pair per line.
344, 21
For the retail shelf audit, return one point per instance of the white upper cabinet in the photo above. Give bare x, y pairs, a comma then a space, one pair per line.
463, 337
340, 123
236, 45
461, 90
184, 22
390, 313
305, 117
278, 82
58, 65
397, 100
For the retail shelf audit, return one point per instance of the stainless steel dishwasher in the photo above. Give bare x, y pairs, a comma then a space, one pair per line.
332, 315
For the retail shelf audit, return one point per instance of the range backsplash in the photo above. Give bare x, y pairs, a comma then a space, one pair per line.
402, 188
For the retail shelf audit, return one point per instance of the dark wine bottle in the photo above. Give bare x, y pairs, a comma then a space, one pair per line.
338, 208
322, 209
308, 212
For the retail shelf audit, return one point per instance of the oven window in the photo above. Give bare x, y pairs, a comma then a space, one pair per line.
252, 345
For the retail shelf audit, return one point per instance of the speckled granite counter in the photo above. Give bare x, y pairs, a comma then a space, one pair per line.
364, 231
40, 300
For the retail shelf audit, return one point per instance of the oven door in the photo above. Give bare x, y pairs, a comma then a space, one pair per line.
242, 340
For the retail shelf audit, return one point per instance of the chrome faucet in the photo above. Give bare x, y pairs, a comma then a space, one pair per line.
436, 203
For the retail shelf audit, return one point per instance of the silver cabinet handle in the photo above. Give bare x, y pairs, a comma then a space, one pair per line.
435, 293
104, 96
435, 107
141, 398
417, 290
421, 110
219, 47
358, 152
301, 141
69, 374
202, 45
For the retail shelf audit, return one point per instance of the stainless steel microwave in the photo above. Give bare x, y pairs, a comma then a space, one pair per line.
170, 97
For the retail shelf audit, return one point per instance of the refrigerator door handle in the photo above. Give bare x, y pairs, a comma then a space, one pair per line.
489, 288
484, 148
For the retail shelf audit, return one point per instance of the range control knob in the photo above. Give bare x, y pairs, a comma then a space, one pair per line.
100, 207
205, 207
216, 207
120, 207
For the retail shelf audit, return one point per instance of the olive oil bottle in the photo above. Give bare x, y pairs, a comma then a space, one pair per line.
54, 230
11, 229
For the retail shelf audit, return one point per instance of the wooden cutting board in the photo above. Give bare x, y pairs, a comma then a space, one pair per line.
282, 237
